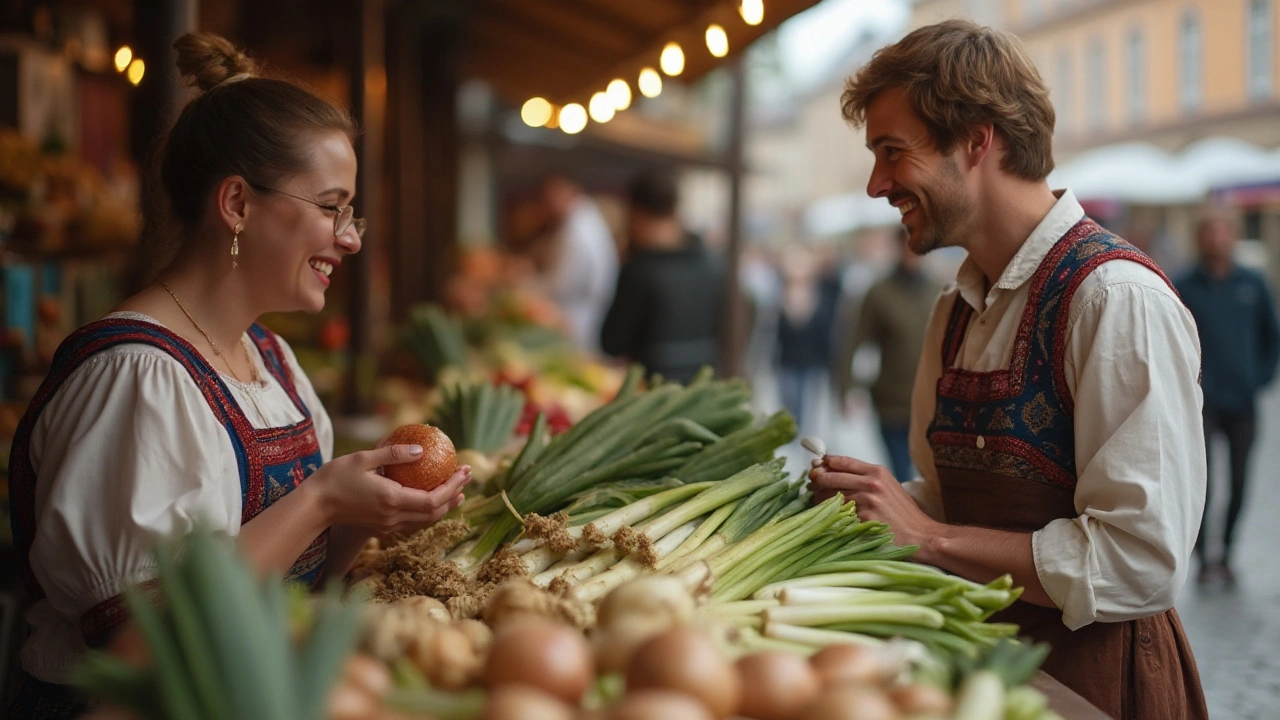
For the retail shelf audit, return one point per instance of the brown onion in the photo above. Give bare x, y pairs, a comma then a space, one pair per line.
659, 705
547, 656
851, 702
776, 685
919, 698
518, 702
849, 663
684, 660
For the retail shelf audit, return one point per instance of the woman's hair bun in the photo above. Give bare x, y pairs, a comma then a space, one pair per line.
207, 60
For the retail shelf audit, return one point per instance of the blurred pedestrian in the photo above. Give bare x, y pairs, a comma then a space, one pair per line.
893, 317
666, 309
584, 260
805, 320
1240, 346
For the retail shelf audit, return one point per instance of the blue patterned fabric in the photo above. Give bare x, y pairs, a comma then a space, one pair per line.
1019, 421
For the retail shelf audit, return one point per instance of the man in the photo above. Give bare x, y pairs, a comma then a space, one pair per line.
584, 261
666, 310
1241, 346
1056, 413
893, 317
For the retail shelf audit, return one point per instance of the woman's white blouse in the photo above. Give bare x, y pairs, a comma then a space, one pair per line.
128, 451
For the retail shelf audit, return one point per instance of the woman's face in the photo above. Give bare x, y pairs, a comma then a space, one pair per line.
289, 248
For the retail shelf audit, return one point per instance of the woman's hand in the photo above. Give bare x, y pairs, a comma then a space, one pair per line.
350, 490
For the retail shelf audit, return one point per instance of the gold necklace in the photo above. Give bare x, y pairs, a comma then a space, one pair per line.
253, 367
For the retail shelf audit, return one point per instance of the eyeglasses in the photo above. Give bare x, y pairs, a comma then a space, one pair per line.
343, 215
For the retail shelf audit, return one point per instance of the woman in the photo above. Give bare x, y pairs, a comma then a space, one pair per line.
179, 408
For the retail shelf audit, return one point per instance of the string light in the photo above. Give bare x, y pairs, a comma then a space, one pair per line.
573, 118
136, 70
601, 107
650, 83
620, 94
672, 60
717, 41
752, 11
123, 56
536, 112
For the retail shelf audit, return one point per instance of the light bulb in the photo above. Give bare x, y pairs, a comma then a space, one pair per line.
136, 70
620, 93
650, 83
717, 41
601, 107
672, 60
536, 112
752, 11
573, 118
123, 56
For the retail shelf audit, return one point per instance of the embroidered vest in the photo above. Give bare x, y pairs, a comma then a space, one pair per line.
272, 461
1019, 422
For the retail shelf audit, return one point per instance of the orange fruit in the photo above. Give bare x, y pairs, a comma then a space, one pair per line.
437, 463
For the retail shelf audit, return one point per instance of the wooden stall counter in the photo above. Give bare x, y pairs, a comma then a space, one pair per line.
1065, 701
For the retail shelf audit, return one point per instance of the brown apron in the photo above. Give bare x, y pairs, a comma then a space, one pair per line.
1137, 670
1004, 450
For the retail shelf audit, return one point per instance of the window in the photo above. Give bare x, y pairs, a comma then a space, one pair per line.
1258, 47
1190, 59
1095, 69
1136, 75
1065, 100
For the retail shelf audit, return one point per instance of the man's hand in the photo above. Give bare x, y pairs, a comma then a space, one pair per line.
877, 493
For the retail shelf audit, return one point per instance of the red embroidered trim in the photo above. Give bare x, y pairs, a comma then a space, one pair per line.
1060, 327
1002, 384
989, 457
109, 614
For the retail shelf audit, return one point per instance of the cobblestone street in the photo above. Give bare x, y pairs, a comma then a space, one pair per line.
1234, 632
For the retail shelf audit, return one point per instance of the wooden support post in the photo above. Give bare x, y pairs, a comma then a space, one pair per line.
735, 331
157, 24
424, 155
369, 107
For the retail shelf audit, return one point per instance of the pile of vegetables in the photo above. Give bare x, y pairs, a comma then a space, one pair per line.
683, 481
221, 644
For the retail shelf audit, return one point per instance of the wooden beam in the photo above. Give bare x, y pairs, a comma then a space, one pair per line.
369, 107
735, 331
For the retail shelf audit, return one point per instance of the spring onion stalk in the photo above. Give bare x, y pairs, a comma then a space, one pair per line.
828, 596
818, 637
724, 560
940, 640
752, 641
747, 576
768, 543
852, 580
739, 607
811, 615
630, 568
704, 531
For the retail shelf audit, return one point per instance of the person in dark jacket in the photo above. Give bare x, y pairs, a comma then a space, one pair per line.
666, 310
1240, 347
807, 315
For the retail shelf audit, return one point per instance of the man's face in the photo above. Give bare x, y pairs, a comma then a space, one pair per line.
1217, 239
925, 185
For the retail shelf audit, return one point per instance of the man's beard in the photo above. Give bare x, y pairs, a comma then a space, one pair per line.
945, 213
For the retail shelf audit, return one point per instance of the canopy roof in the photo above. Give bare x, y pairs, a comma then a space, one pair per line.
565, 50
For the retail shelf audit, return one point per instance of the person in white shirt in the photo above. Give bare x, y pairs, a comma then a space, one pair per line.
1056, 410
179, 408
584, 269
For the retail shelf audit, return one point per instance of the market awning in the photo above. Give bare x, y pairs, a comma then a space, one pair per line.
1140, 173
566, 50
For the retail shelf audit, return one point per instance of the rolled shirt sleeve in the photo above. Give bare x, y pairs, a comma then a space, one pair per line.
1132, 366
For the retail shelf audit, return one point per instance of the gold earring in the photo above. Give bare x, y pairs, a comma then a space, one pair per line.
235, 245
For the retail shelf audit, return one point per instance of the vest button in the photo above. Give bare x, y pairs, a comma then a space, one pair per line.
982, 442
